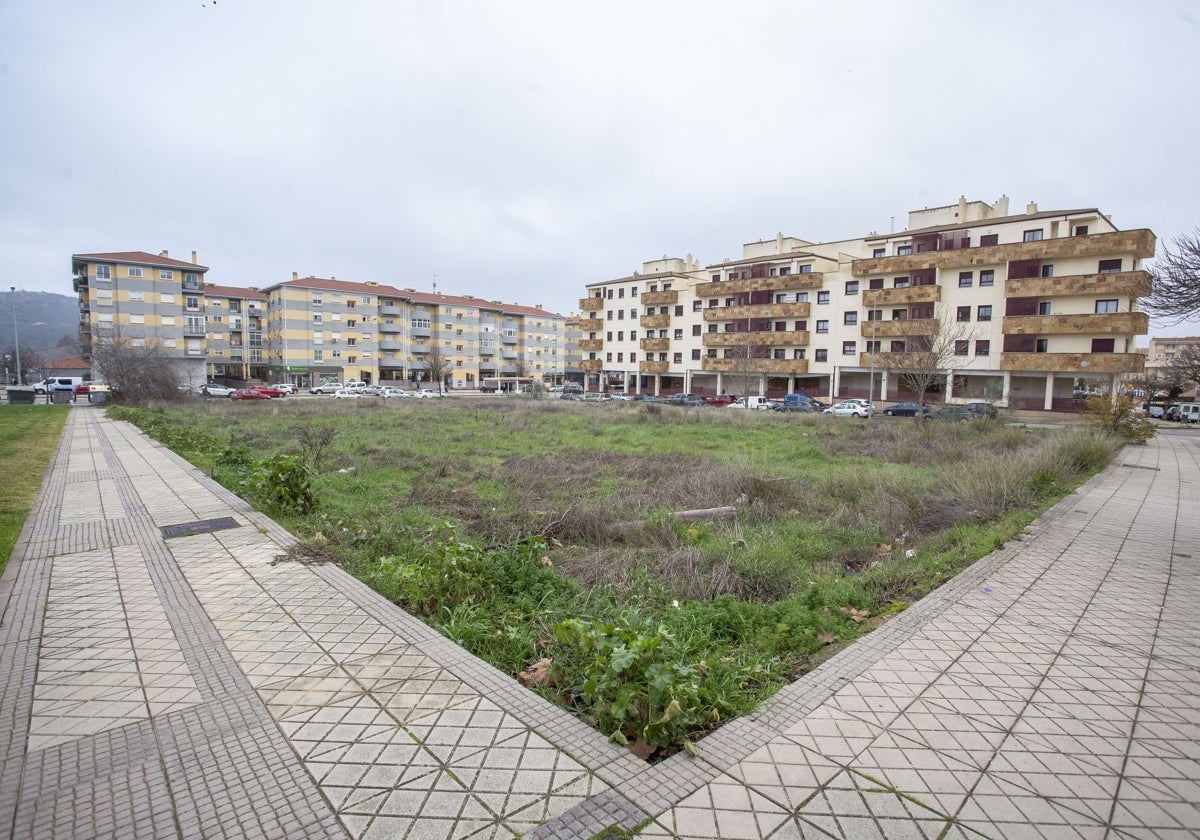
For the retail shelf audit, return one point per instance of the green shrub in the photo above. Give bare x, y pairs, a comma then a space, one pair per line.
1118, 417
281, 484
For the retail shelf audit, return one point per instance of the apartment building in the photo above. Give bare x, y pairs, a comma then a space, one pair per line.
1165, 350
1026, 303
142, 297
235, 319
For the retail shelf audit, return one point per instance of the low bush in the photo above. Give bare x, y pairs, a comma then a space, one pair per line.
1118, 416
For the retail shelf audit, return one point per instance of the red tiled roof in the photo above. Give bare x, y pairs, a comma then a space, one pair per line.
70, 362
213, 290
138, 258
432, 298
331, 285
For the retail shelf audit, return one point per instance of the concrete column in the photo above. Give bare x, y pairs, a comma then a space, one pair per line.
883, 384
1049, 400
762, 385
835, 383
950, 386
720, 382
1004, 393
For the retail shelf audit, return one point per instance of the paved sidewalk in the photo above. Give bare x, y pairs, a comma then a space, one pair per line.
161, 682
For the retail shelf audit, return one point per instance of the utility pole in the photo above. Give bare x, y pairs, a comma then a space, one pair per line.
873, 315
16, 341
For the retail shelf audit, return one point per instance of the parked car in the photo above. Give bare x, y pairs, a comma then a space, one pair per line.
594, 396
286, 386
721, 399
1189, 413
686, 400
212, 390
621, 396
908, 409
325, 388
388, 392
954, 414
62, 383
270, 390
797, 402
426, 393
851, 408
1156, 411
648, 398
570, 395
248, 394
346, 394
982, 409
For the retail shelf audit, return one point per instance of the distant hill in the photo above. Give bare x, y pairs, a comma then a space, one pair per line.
47, 324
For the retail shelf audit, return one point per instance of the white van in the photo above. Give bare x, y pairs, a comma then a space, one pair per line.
58, 383
1189, 413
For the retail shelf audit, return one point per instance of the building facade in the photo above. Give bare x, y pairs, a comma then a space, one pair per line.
142, 298
1023, 305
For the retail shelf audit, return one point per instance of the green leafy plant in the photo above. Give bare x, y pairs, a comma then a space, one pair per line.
281, 484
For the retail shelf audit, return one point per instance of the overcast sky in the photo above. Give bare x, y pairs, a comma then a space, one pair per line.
520, 150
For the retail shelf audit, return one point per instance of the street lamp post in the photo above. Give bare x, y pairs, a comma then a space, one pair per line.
873, 315
16, 341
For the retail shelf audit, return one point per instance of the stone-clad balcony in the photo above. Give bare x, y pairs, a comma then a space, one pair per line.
655, 322
660, 298
591, 325
591, 304
658, 345
875, 298
1131, 284
757, 310
1114, 323
653, 367
591, 344
779, 283
782, 338
899, 328
591, 365
794, 367
1137, 243
1074, 362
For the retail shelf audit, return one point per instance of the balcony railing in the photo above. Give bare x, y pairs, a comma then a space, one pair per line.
757, 310
1074, 362
591, 344
655, 322
508, 339
658, 345
1114, 323
591, 325
1138, 243
781, 338
591, 304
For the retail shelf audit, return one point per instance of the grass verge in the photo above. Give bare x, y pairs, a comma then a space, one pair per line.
28, 436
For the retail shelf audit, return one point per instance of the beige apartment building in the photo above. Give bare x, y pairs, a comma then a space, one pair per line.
1028, 304
143, 297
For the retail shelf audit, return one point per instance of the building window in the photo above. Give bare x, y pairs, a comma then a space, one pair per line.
608, 357
1048, 270
679, 309
679, 334
1106, 307
1110, 266
316, 317
136, 295
620, 314
850, 319
960, 347
989, 239
696, 328
608, 336
822, 297
903, 250
877, 253
800, 326
1032, 235
316, 300
695, 355
621, 357
963, 313
851, 287
1042, 345
798, 353
166, 275
633, 357
133, 271
104, 272
821, 355
1079, 230
874, 314
677, 358
620, 293
191, 302
1102, 345
983, 347
984, 313
965, 279
610, 315
875, 283
987, 277
1044, 307
900, 283
822, 326
697, 305
849, 348
633, 292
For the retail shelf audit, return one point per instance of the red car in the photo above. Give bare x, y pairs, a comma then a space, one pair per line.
248, 394
722, 399
270, 390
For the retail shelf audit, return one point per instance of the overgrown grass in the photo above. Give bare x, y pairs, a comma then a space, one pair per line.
541, 536
28, 436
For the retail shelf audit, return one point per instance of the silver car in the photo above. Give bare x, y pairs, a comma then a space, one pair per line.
851, 408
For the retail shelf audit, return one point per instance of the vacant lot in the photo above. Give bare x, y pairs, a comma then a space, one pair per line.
544, 536
28, 436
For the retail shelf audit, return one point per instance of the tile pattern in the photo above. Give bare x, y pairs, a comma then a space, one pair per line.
197, 687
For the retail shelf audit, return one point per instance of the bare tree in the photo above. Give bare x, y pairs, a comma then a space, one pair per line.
137, 371
439, 365
1168, 380
1176, 272
746, 372
928, 359
1183, 369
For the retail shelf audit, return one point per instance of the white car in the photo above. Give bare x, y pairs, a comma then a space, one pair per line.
325, 388
621, 396
216, 390
388, 392
286, 386
852, 408
425, 393
346, 394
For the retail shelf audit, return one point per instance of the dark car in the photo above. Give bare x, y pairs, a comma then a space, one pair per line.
572, 396
649, 398
954, 414
248, 394
982, 409
908, 409
686, 399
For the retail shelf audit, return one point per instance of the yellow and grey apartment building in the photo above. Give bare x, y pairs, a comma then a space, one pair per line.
310, 329
1033, 301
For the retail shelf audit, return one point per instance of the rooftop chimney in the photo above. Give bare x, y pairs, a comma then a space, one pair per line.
1031, 208
295, 276
163, 253
194, 258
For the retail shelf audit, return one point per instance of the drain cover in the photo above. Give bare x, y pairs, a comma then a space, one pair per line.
203, 526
